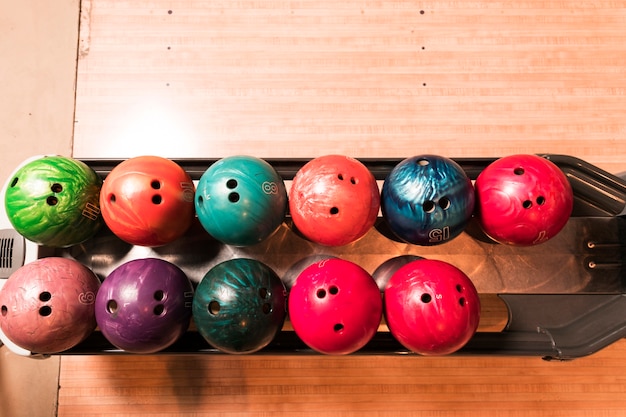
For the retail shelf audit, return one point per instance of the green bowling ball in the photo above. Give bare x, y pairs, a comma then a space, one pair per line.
54, 201
240, 306
241, 200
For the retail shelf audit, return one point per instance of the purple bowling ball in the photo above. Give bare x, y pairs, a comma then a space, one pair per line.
144, 305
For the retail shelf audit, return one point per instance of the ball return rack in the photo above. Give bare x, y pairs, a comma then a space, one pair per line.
565, 298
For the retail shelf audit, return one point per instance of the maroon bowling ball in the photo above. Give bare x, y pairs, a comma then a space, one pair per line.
334, 200
144, 305
431, 307
47, 306
523, 200
335, 306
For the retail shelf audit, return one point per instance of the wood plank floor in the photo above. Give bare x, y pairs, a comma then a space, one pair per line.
364, 78
186, 386
279, 78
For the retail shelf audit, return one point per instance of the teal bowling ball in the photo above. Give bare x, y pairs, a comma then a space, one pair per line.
241, 200
54, 201
427, 200
239, 306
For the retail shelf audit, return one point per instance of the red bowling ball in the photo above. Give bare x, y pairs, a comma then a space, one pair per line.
431, 307
334, 200
523, 200
148, 201
335, 306
47, 306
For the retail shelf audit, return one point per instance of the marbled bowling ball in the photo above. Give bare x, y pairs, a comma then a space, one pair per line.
144, 305
431, 307
427, 200
148, 201
241, 200
240, 306
54, 201
523, 200
334, 200
335, 306
47, 306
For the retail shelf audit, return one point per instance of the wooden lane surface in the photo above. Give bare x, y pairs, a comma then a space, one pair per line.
303, 78
177, 386
364, 78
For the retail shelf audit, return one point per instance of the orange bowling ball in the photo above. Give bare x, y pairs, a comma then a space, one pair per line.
148, 201
334, 200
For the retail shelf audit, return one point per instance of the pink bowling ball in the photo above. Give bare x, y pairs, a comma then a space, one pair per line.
47, 306
335, 306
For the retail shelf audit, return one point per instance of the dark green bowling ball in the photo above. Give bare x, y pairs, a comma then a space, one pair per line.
54, 201
240, 306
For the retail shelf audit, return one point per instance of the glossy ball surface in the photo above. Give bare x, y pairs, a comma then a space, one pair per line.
523, 200
335, 306
385, 271
241, 200
144, 305
148, 201
240, 306
431, 307
334, 200
54, 201
427, 200
47, 306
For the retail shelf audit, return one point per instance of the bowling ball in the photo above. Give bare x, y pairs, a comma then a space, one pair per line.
523, 200
240, 306
431, 307
427, 200
47, 306
241, 200
384, 271
54, 201
144, 305
335, 306
148, 201
334, 200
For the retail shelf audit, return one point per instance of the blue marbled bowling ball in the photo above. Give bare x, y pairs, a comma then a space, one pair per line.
239, 306
427, 200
